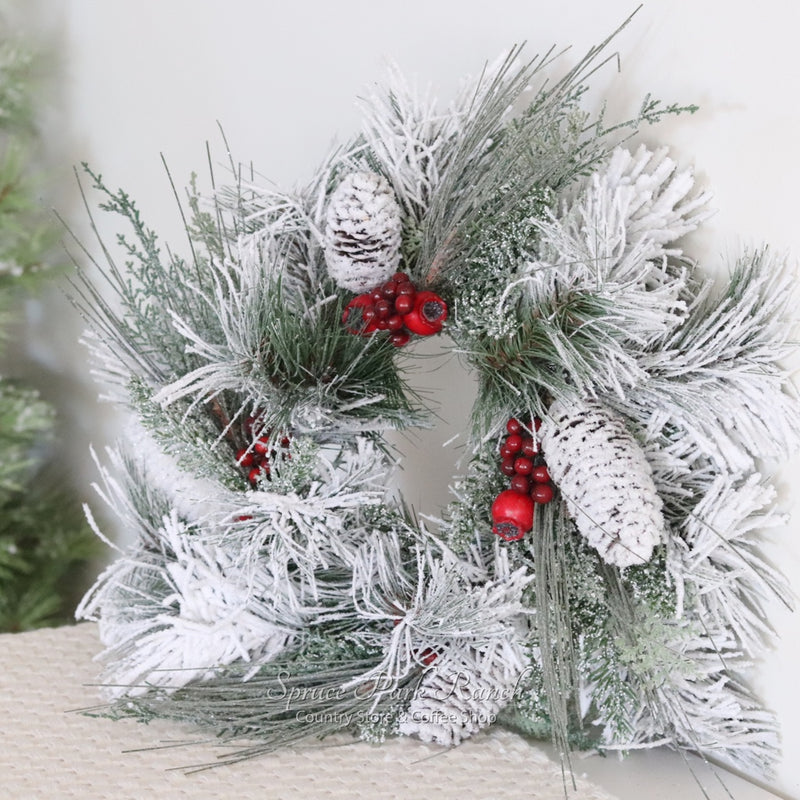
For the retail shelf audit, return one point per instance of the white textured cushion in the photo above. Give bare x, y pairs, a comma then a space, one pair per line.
47, 752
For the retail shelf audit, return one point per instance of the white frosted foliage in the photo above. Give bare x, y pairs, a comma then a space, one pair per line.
362, 232
211, 613
605, 478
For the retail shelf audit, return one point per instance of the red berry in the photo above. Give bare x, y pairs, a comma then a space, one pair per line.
389, 289
406, 288
521, 484
244, 458
261, 447
542, 492
358, 316
376, 295
514, 443
507, 467
432, 308
513, 425
540, 474
400, 338
395, 322
400, 277
507, 452
383, 309
537, 423
286, 441
523, 466
382, 325
512, 515
428, 656
403, 303
253, 475
529, 447
428, 314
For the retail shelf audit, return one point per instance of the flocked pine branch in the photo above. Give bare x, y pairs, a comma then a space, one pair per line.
719, 376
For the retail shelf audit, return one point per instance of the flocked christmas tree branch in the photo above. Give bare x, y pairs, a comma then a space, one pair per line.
44, 543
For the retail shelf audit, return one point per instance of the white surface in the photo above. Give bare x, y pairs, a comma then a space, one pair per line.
53, 753
138, 78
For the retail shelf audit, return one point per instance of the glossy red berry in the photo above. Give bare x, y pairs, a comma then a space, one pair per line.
400, 277
513, 425
523, 466
244, 458
432, 308
406, 288
507, 467
389, 289
540, 474
254, 474
521, 484
512, 515
542, 492
513, 443
507, 452
529, 447
394, 323
427, 315
400, 338
403, 303
261, 446
359, 315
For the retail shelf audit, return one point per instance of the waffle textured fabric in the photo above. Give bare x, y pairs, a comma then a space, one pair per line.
49, 751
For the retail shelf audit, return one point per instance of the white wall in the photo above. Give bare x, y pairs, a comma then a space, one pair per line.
135, 79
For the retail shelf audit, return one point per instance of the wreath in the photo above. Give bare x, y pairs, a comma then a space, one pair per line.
597, 578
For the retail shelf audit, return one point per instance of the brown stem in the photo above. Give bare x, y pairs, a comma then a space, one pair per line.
223, 419
439, 258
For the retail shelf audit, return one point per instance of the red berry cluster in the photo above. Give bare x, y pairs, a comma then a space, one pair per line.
522, 461
397, 307
257, 458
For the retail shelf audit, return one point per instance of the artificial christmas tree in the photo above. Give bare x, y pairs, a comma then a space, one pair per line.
44, 542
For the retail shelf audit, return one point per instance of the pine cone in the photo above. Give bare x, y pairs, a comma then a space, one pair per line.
605, 479
459, 696
362, 232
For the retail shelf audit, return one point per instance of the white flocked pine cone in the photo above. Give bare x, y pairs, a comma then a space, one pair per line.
460, 695
605, 478
362, 232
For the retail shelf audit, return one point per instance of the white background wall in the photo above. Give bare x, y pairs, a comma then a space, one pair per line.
135, 79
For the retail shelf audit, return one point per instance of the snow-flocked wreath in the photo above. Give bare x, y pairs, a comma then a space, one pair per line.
597, 578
